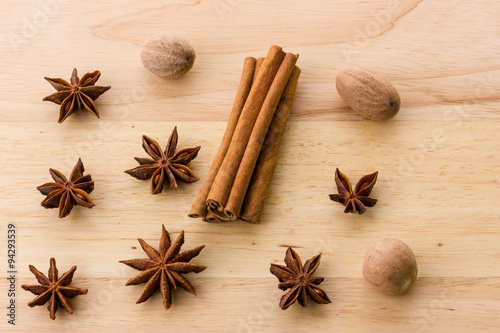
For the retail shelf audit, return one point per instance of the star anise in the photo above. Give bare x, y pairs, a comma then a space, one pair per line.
77, 94
53, 289
66, 193
164, 268
298, 279
357, 200
165, 166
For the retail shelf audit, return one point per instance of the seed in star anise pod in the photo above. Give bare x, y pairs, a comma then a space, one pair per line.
165, 166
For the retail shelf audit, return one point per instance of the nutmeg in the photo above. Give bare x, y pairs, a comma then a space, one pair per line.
390, 266
368, 93
167, 55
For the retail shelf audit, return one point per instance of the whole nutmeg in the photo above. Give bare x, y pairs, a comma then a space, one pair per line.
368, 93
390, 266
167, 55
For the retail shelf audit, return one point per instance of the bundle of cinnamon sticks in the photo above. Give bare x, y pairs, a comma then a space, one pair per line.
239, 178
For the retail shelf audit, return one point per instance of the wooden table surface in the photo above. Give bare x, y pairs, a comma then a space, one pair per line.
438, 161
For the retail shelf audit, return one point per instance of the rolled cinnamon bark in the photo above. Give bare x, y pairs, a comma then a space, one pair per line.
199, 207
258, 65
209, 216
224, 179
256, 140
264, 169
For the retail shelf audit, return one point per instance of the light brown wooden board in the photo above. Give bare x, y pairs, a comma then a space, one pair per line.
438, 161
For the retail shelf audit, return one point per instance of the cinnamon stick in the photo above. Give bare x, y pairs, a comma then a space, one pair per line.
199, 207
258, 65
264, 169
221, 187
256, 140
211, 217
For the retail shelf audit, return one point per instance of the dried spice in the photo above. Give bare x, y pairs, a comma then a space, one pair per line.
390, 266
168, 56
238, 181
66, 193
298, 279
77, 94
164, 268
165, 166
368, 93
53, 289
357, 200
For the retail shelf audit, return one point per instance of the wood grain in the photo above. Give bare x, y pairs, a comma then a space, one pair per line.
437, 159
